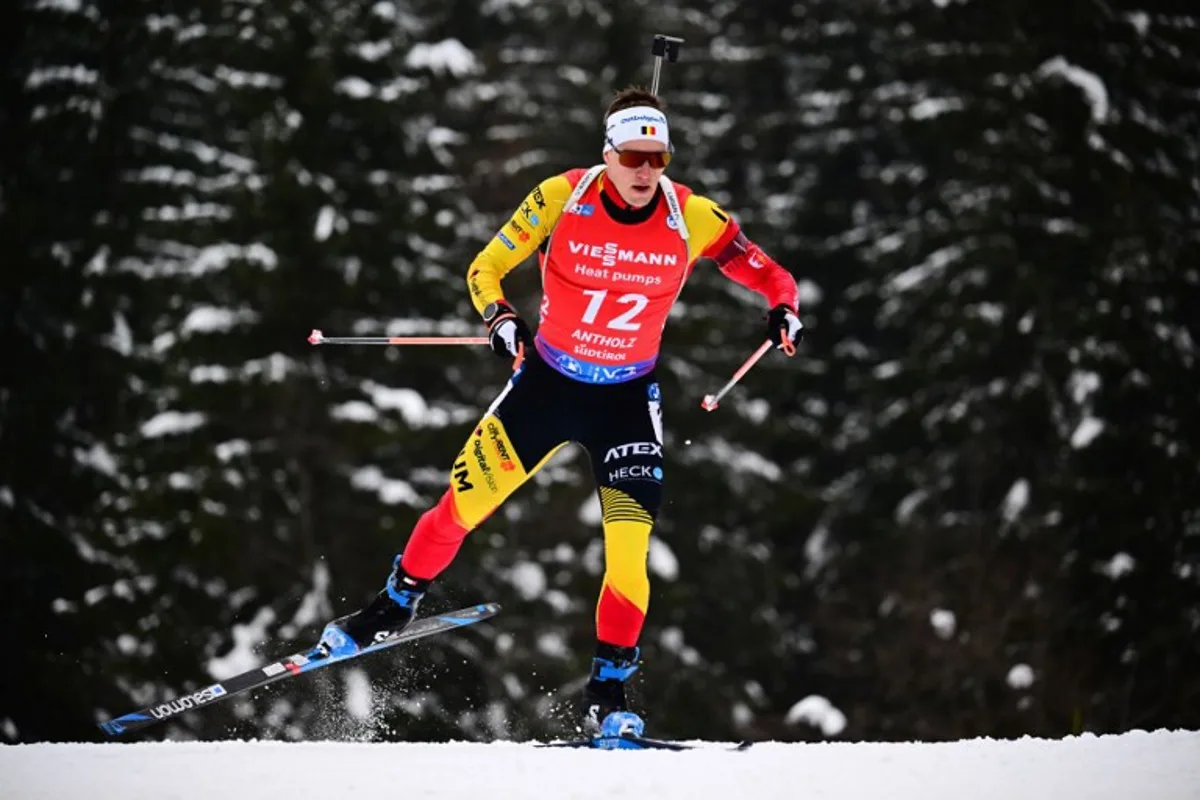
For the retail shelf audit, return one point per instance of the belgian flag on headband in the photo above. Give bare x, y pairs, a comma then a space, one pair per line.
649, 130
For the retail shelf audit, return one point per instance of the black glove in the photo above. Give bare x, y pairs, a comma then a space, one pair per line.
784, 328
507, 332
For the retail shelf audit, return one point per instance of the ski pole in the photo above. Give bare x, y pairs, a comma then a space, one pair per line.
316, 337
663, 47
711, 400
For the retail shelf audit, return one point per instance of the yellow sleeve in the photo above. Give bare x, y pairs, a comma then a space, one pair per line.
706, 222
529, 226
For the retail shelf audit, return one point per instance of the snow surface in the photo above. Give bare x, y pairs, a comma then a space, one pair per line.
1160, 765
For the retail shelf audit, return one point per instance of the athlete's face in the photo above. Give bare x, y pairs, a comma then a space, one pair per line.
636, 184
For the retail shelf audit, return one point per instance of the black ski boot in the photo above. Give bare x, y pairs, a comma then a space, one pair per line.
605, 690
389, 613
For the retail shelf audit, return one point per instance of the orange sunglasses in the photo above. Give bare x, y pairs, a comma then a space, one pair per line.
635, 158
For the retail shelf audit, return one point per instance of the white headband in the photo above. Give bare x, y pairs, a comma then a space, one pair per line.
639, 122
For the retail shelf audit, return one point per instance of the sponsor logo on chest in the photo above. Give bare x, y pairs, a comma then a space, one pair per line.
610, 254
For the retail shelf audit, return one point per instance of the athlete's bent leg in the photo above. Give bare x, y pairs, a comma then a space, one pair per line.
510, 444
487, 470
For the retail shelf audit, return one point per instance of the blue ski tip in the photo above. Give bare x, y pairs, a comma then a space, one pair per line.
116, 727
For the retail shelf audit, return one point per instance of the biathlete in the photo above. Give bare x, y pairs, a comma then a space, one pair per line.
615, 244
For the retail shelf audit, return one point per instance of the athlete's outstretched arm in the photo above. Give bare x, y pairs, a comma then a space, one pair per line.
526, 229
719, 237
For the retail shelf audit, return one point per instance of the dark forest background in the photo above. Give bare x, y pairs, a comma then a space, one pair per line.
970, 506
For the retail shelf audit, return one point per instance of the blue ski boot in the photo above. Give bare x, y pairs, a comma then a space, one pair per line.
604, 694
389, 613
617, 729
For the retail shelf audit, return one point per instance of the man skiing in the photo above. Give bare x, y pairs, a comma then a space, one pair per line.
615, 245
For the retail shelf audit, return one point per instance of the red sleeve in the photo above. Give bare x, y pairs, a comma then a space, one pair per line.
741, 260
573, 175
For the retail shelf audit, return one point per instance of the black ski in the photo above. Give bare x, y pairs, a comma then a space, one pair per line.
295, 664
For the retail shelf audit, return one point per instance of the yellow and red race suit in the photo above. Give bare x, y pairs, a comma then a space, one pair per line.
608, 286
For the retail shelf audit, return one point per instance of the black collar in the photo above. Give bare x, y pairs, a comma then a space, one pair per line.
621, 211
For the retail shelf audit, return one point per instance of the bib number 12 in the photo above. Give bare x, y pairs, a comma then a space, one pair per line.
621, 322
